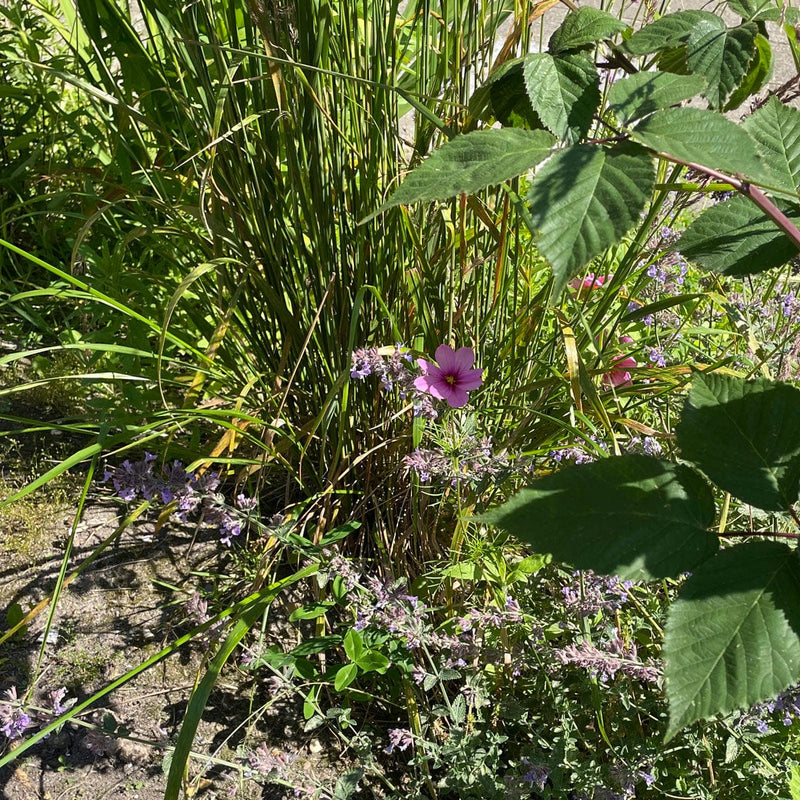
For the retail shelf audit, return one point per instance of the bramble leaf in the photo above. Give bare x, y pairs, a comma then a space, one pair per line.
471, 162
737, 238
745, 435
668, 32
638, 95
633, 516
701, 137
754, 10
758, 74
586, 198
732, 636
722, 55
583, 28
564, 92
775, 128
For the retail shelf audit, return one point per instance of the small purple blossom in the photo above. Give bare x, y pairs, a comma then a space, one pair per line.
399, 739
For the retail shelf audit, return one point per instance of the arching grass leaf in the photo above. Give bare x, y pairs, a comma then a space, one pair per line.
732, 637
671, 30
584, 199
583, 28
471, 162
564, 92
701, 137
745, 435
737, 238
643, 93
775, 128
722, 55
632, 516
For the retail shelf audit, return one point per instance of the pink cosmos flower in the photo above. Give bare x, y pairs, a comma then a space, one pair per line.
452, 378
618, 376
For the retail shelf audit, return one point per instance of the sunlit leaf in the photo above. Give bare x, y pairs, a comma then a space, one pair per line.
638, 95
584, 199
775, 128
583, 28
471, 162
697, 136
564, 92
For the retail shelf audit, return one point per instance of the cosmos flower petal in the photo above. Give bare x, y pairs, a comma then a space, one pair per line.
432, 385
445, 357
464, 359
424, 365
470, 379
456, 397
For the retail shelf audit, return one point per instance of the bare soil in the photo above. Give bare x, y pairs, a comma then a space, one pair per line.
127, 606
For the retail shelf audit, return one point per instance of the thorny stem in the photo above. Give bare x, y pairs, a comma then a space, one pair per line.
765, 534
756, 195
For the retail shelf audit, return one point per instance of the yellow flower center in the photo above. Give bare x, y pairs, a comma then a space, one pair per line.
451, 379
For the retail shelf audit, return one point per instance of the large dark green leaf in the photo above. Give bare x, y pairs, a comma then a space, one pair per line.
732, 637
472, 161
564, 92
584, 199
701, 137
722, 55
737, 238
775, 128
643, 93
583, 28
671, 31
745, 435
503, 98
632, 515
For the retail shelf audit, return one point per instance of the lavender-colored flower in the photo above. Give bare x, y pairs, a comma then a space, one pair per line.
536, 775
13, 720
270, 762
606, 663
657, 357
589, 594
55, 698
399, 739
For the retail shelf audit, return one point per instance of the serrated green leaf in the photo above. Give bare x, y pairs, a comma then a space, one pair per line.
668, 32
722, 55
737, 238
633, 516
345, 676
758, 74
643, 93
563, 91
503, 98
586, 198
754, 10
701, 137
745, 435
583, 28
471, 162
732, 637
775, 128
458, 709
